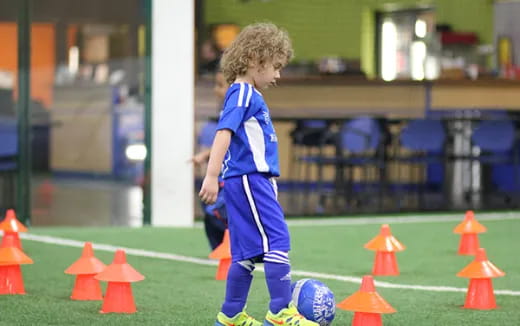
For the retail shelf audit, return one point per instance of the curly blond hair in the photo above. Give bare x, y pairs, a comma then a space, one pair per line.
260, 44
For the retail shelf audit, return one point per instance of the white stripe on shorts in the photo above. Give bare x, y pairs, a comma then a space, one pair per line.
249, 195
275, 186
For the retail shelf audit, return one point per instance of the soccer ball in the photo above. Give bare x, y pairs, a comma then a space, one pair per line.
314, 300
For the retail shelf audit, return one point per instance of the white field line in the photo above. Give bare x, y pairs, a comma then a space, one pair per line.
401, 220
338, 221
200, 261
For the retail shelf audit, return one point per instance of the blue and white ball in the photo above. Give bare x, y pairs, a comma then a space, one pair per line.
314, 300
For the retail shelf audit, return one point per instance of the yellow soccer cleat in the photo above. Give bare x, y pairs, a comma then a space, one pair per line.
287, 317
240, 319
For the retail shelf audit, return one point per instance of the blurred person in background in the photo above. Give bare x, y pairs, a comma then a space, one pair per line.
209, 57
215, 216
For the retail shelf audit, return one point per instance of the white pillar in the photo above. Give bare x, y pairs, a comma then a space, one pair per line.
172, 186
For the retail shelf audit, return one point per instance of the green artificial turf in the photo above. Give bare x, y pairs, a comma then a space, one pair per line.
183, 293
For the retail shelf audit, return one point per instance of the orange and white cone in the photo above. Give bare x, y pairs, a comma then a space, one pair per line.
367, 305
385, 245
86, 287
469, 230
119, 275
480, 293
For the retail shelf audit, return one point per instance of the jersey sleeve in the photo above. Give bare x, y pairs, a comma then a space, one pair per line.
237, 103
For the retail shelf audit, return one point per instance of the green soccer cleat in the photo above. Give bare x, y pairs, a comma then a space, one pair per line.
240, 319
287, 317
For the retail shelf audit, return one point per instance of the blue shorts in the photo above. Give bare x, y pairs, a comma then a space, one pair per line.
255, 218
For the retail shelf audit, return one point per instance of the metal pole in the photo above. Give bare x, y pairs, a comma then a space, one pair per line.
147, 189
23, 197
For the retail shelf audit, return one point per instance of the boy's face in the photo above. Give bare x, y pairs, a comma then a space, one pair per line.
266, 75
220, 87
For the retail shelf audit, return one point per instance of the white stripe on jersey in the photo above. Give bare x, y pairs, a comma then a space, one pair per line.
225, 166
240, 95
249, 94
256, 140
252, 205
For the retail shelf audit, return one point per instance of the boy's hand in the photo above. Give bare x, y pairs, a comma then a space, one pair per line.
209, 190
200, 158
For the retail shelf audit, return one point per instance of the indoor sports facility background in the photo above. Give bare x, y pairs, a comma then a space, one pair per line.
392, 111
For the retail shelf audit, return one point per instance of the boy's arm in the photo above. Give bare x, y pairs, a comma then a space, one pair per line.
209, 190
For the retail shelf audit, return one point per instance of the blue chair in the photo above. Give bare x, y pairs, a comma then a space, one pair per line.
494, 137
308, 134
424, 141
360, 135
498, 146
358, 148
306, 151
423, 135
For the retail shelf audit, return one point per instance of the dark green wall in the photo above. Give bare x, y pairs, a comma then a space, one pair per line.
334, 27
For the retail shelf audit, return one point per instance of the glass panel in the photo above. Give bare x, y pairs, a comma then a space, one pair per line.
8, 98
408, 45
87, 101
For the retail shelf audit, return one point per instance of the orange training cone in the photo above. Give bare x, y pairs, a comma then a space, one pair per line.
119, 275
11, 280
86, 287
367, 304
469, 230
385, 245
222, 252
480, 293
11, 226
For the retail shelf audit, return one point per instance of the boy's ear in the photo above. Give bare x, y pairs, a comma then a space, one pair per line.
253, 62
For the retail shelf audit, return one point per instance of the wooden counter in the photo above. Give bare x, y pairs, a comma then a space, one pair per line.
340, 97
480, 94
340, 101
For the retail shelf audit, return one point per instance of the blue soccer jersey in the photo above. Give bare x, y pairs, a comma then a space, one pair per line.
254, 146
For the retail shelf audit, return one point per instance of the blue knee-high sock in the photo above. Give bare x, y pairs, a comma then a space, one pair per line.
278, 278
237, 287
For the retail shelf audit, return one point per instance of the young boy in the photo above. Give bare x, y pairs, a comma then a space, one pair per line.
245, 147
